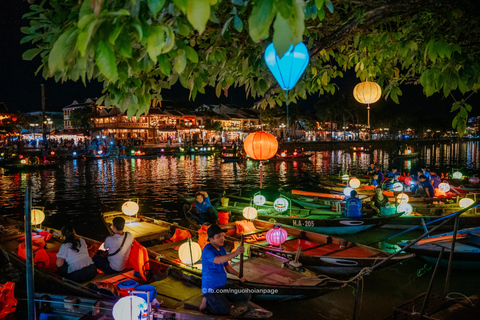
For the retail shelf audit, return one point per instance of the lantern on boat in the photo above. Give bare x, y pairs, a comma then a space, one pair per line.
130, 208
281, 204
354, 183
190, 252
345, 177
37, 216
276, 236
130, 308
474, 180
397, 186
406, 208
259, 200
465, 202
457, 175
444, 187
347, 191
250, 213
367, 92
402, 198
23, 161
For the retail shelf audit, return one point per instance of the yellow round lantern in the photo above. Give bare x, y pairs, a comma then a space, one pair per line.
130, 208
354, 183
444, 187
37, 216
190, 252
402, 198
250, 213
260, 145
465, 202
367, 92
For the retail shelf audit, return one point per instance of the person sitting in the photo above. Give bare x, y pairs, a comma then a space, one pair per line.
379, 200
118, 246
380, 175
203, 210
353, 206
436, 180
73, 261
299, 152
394, 174
371, 169
430, 193
374, 181
214, 276
427, 174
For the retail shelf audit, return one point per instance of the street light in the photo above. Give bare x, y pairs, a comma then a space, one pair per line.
283, 128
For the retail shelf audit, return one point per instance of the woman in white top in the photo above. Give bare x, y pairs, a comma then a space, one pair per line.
73, 261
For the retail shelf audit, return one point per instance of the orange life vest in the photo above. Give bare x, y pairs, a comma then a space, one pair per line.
202, 236
138, 259
244, 226
7, 299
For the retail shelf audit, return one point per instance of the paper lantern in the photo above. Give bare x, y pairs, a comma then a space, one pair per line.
130, 208
281, 204
406, 208
259, 200
402, 198
347, 191
354, 183
130, 308
444, 187
290, 67
367, 92
190, 252
23, 161
457, 175
260, 145
465, 202
37, 216
250, 213
276, 236
345, 177
474, 180
397, 186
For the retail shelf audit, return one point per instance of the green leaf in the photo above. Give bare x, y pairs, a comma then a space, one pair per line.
218, 89
57, 55
319, 4
454, 122
468, 107
329, 5
105, 60
84, 36
191, 54
123, 45
180, 62
288, 32
183, 28
198, 13
260, 19
325, 78
112, 37
181, 4
155, 41
284, 7
432, 51
164, 65
321, 14
225, 26
31, 53
394, 96
155, 5
238, 24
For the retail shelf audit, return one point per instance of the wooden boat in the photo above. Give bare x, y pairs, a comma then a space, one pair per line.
31, 166
330, 255
264, 271
177, 288
227, 159
467, 248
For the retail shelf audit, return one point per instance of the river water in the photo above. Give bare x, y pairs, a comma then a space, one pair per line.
74, 193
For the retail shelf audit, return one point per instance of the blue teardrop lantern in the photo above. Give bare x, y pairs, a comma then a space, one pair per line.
289, 68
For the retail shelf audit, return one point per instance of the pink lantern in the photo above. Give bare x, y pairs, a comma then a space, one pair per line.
276, 236
474, 180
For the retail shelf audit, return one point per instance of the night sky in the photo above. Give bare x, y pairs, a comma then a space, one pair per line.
20, 88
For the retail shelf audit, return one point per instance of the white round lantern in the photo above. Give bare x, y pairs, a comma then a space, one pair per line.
130, 208
444, 187
354, 183
130, 308
281, 204
190, 252
347, 191
397, 186
406, 208
250, 213
345, 177
37, 216
259, 200
457, 175
465, 202
402, 198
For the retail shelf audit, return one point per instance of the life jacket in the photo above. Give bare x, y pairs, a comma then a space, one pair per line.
40, 256
138, 260
180, 234
202, 236
244, 226
7, 299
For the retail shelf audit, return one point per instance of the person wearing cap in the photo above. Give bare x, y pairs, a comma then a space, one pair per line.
203, 210
353, 206
215, 265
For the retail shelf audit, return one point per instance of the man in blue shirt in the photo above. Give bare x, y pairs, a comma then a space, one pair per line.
371, 169
353, 206
427, 186
394, 174
218, 294
203, 210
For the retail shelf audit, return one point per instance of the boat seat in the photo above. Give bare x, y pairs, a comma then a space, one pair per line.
193, 303
249, 233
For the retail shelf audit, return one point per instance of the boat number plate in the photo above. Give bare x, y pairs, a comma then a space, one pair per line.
303, 223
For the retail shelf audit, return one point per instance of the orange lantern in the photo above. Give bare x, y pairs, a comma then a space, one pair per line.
260, 145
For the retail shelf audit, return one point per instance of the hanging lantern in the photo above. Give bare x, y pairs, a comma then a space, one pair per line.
397, 186
465, 202
37, 216
260, 145
259, 200
130, 308
402, 198
406, 208
250, 213
281, 204
444, 187
190, 252
347, 191
354, 183
474, 180
457, 175
367, 92
130, 208
276, 236
290, 67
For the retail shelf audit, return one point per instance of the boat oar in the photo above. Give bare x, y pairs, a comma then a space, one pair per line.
240, 274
